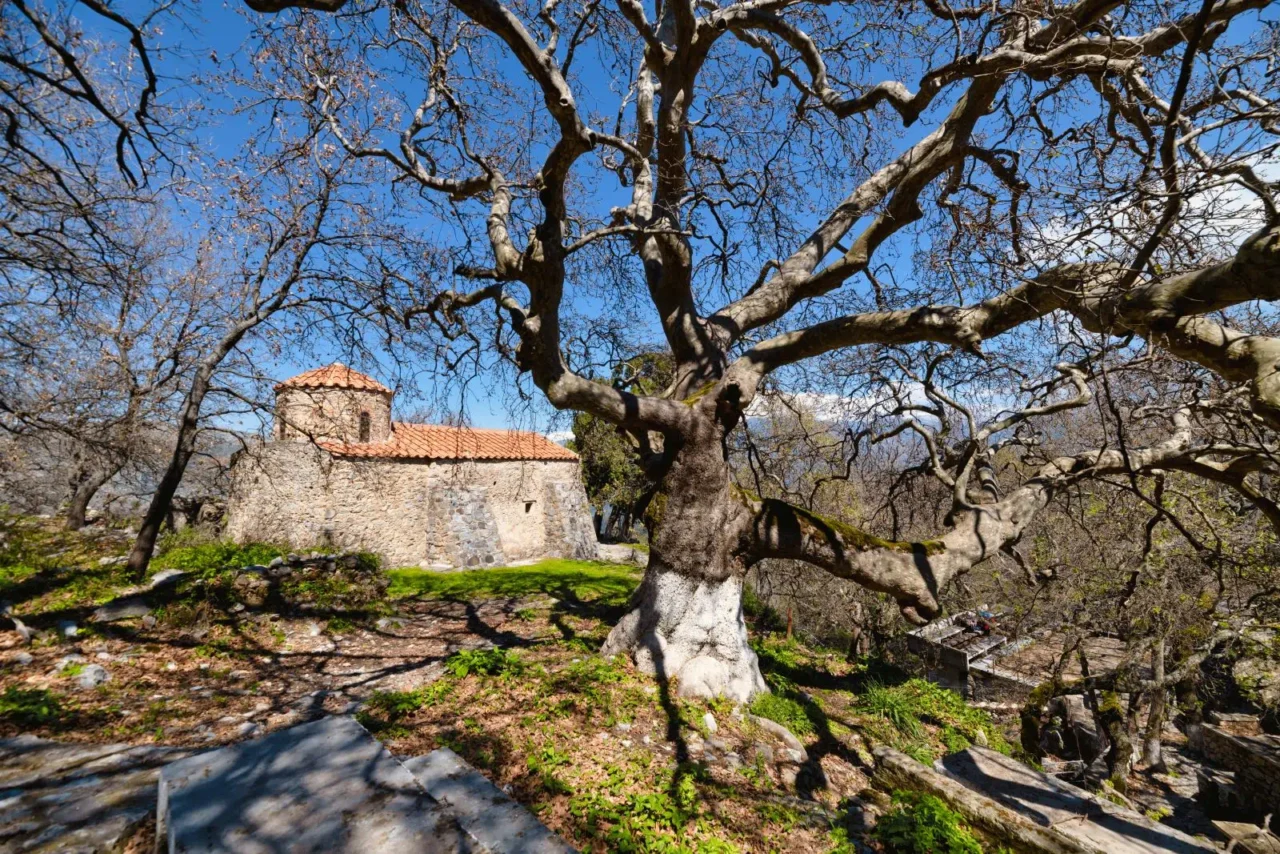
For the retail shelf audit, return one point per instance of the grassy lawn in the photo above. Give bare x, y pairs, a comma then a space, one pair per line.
602, 583
613, 760
607, 756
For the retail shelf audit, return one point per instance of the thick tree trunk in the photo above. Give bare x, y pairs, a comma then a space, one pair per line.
84, 487
691, 631
78, 507
686, 622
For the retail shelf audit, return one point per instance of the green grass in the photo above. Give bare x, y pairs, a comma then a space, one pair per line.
783, 710
924, 824
208, 557
918, 701
484, 662
606, 583
893, 705
45, 568
382, 713
29, 707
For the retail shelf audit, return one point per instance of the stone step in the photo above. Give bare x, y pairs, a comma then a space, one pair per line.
492, 819
1249, 838
75, 798
1090, 822
326, 786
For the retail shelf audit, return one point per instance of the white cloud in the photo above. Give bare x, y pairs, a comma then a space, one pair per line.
1226, 215
834, 408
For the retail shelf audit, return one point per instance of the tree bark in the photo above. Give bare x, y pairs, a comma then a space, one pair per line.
184, 449
78, 507
1152, 753
690, 631
686, 623
84, 487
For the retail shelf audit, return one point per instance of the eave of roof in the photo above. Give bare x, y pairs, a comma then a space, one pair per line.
440, 442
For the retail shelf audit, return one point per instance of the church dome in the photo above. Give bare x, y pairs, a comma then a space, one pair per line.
336, 375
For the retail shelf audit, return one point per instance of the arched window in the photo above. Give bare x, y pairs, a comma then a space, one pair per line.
282, 429
364, 426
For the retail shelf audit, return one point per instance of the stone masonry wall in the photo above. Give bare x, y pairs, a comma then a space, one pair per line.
461, 514
461, 528
331, 413
1255, 761
570, 531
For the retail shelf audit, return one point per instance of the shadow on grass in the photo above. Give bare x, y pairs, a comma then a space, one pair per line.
587, 590
790, 676
70, 587
32, 708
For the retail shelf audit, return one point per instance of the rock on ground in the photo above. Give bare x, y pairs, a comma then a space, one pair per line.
325, 786
75, 797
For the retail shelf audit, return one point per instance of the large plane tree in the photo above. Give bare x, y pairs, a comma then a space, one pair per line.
1079, 189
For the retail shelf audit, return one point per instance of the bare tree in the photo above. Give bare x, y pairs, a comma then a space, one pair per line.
84, 130
286, 243
1062, 180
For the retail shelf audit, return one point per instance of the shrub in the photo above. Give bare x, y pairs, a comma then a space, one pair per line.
766, 617
923, 824
783, 710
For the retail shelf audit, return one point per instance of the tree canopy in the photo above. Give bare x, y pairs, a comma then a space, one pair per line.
969, 219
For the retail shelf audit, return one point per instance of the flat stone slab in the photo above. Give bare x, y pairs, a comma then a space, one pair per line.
326, 786
1249, 838
81, 798
495, 821
137, 602
1096, 823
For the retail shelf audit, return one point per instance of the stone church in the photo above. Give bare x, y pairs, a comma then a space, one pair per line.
338, 472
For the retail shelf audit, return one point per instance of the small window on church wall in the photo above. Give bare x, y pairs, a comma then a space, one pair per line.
364, 426
528, 505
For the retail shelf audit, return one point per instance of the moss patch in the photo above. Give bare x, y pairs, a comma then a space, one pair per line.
699, 393
860, 540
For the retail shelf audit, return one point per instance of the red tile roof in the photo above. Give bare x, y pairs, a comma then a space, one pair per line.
336, 375
437, 442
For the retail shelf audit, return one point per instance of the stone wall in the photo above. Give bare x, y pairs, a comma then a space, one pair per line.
461, 528
305, 414
570, 529
468, 513
1254, 759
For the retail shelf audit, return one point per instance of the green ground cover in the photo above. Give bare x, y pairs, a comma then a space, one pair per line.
599, 582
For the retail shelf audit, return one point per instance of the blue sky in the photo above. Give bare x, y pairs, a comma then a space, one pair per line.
212, 38
216, 39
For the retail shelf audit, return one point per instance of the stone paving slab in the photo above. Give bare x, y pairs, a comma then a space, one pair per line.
75, 798
500, 824
1083, 816
326, 786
